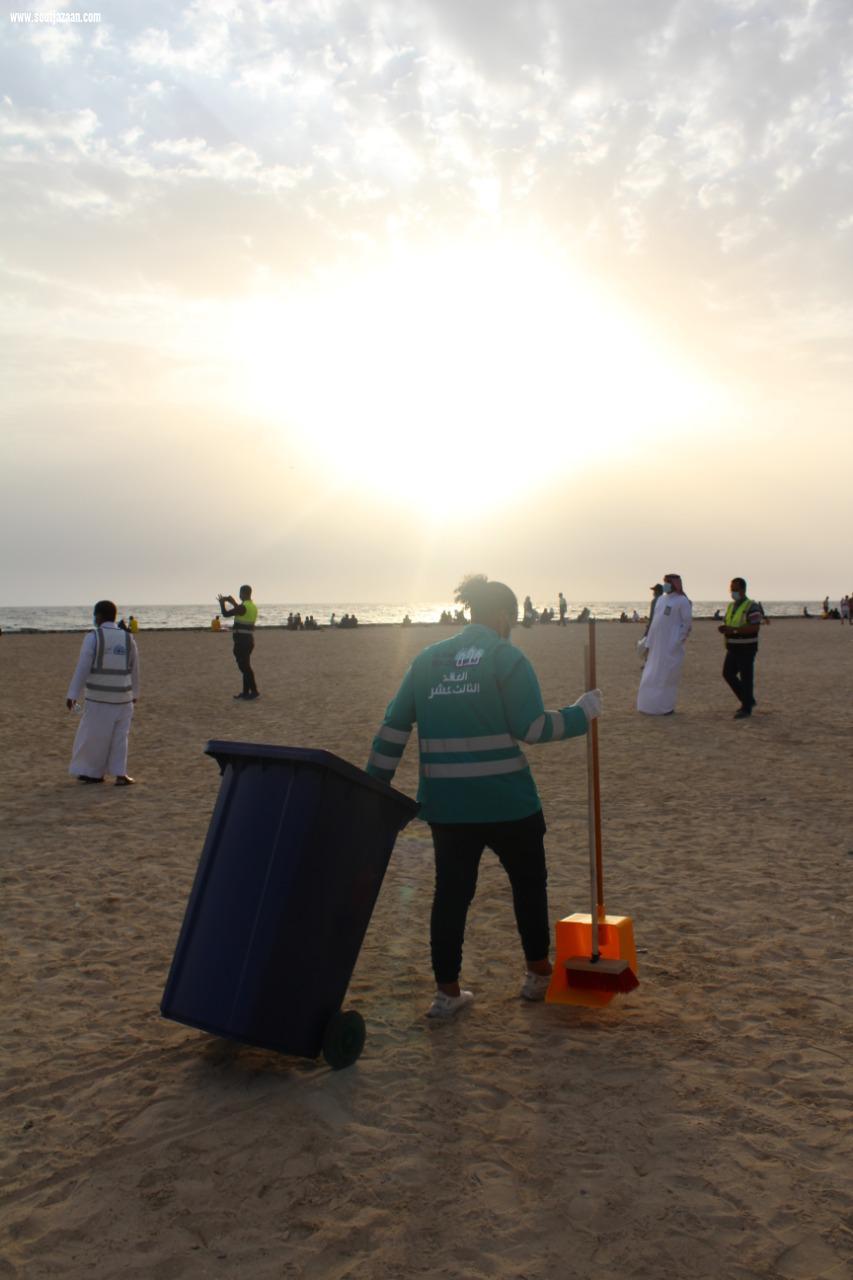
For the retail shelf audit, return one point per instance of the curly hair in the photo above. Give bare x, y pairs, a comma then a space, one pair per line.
486, 599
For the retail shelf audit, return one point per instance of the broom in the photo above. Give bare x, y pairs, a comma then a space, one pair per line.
593, 972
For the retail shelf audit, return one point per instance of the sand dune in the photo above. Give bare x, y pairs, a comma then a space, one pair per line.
697, 1128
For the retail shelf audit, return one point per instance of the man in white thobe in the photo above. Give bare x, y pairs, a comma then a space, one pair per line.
108, 673
664, 646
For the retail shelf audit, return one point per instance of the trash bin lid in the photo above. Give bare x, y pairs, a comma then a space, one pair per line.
248, 752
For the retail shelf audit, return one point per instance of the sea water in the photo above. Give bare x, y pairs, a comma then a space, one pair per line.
176, 617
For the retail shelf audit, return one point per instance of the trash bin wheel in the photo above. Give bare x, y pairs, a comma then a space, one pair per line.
344, 1039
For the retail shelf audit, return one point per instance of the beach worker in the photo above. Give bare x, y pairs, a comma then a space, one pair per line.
663, 649
132, 625
741, 628
245, 614
215, 624
107, 673
475, 697
657, 592
563, 607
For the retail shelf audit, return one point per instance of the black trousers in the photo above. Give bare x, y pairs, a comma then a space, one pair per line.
243, 646
458, 850
738, 672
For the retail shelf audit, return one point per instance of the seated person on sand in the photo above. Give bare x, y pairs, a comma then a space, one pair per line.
583, 616
407, 621
215, 624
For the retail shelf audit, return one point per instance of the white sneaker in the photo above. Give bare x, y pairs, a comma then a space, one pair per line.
535, 986
445, 1006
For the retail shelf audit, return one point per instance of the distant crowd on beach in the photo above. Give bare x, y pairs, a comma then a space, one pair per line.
295, 622
531, 616
843, 613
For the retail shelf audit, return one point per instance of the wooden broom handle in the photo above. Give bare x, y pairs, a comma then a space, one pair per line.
595, 782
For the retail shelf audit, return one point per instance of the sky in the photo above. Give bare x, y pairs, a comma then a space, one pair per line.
348, 300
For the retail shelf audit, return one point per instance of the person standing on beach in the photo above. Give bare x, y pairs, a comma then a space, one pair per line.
663, 647
657, 592
245, 615
108, 672
741, 630
563, 609
474, 697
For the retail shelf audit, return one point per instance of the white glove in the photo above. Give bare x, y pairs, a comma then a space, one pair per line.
642, 646
590, 704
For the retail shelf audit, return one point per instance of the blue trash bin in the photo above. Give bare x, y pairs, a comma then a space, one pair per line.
290, 871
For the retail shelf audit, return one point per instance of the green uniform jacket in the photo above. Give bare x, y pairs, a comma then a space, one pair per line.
474, 698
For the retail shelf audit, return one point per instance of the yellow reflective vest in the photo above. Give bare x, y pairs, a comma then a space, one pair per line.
736, 616
246, 621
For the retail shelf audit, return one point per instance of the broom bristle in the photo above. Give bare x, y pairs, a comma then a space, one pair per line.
600, 975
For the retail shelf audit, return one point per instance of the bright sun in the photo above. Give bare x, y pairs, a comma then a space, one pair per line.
458, 379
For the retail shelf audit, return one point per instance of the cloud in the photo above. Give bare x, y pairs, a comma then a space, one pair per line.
691, 158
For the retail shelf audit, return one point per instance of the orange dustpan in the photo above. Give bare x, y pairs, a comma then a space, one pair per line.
596, 958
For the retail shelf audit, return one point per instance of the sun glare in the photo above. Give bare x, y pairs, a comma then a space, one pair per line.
459, 380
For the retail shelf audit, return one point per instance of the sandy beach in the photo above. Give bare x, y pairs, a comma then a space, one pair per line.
699, 1127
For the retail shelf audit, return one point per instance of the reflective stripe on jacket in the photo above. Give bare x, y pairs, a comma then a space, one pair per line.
109, 678
474, 697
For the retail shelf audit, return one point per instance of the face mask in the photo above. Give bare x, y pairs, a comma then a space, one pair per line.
737, 595
667, 587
